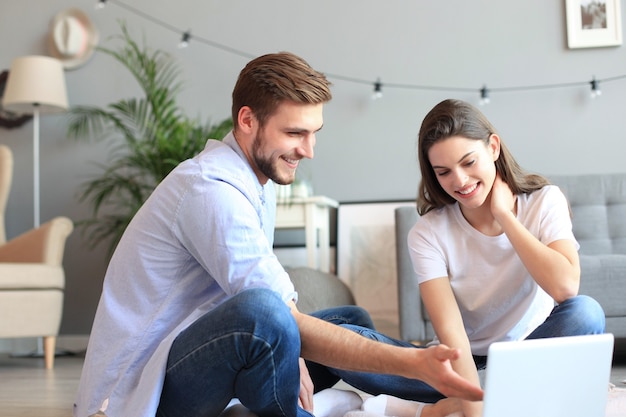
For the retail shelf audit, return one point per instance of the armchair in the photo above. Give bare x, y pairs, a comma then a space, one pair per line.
32, 278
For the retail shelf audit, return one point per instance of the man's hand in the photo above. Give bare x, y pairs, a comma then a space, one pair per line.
435, 368
338, 347
306, 388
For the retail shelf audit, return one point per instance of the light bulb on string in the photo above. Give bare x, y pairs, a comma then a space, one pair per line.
595, 88
184, 42
484, 92
484, 96
378, 90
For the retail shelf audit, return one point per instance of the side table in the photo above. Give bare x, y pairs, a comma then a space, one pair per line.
312, 214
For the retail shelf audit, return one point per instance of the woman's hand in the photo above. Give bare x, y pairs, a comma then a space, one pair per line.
502, 198
555, 267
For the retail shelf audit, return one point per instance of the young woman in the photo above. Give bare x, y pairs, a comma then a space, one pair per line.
493, 250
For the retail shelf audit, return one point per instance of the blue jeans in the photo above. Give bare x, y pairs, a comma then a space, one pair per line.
579, 315
246, 348
249, 347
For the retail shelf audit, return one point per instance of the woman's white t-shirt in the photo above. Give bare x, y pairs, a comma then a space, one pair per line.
497, 297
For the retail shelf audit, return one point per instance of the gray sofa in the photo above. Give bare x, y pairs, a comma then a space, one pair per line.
598, 203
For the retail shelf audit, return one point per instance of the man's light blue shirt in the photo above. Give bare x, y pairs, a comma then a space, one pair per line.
205, 234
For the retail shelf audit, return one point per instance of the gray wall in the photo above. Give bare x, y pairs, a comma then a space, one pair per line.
366, 150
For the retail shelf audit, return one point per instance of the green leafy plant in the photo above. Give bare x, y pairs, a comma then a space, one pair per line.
151, 135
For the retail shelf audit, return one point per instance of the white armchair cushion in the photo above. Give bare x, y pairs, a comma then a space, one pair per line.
27, 313
15, 276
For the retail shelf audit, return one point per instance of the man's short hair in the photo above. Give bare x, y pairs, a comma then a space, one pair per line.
267, 81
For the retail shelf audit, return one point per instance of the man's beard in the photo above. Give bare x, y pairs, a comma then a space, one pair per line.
266, 165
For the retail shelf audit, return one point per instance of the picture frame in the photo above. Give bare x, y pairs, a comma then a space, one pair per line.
366, 258
593, 23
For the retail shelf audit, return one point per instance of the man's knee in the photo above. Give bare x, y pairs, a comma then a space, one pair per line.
261, 298
266, 312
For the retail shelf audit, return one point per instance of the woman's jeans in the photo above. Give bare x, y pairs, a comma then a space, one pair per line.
248, 348
577, 316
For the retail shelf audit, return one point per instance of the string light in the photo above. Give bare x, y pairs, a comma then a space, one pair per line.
484, 96
378, 90
184, 42
484, 91
595, 88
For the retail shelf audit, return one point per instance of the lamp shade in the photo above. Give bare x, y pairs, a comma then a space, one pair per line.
35, 81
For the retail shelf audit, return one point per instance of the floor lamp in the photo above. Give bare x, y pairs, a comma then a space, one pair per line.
36, 85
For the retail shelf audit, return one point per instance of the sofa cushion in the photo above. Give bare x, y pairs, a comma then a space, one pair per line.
603, 277
598, 203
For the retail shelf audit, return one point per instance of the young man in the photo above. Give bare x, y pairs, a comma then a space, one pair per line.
197, 310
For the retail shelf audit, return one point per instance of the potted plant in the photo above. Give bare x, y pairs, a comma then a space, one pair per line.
152, 135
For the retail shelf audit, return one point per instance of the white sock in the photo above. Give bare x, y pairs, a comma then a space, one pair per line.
392, 406
334, 402
376, 405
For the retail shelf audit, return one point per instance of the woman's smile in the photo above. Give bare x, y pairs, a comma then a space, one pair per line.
468, 191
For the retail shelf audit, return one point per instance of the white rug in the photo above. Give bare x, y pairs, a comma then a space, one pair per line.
335, 402
616, 405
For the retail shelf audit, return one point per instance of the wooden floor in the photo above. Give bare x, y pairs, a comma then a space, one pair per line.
29, 390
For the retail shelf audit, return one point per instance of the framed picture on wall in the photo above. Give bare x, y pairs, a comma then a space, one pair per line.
593, 23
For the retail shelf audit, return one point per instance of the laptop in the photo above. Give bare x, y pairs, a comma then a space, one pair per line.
555, 377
